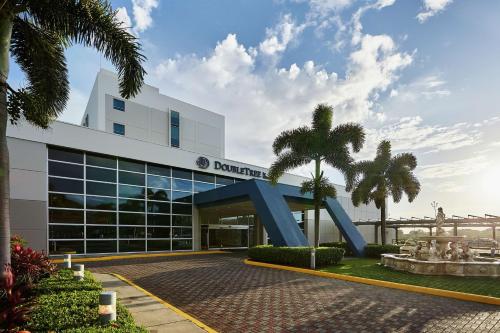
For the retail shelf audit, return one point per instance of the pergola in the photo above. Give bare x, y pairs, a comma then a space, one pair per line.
491, 221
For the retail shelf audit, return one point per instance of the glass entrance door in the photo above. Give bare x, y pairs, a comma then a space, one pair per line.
227, 236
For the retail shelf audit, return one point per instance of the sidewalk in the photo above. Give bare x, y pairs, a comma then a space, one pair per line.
147, 311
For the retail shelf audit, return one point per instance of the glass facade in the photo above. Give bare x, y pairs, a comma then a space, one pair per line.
118, 104
105, 204
174, 129
118, 129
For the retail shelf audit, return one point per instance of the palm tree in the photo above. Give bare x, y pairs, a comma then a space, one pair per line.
384, 176
318, 143
36, 33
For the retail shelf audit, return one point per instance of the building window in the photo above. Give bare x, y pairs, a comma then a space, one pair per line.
86, 121
118, 104
174, 129
118, 129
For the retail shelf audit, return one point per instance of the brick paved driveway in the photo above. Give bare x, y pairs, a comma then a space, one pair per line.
230, 296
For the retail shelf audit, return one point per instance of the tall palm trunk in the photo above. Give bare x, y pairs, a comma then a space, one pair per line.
5, 35
317, 201
382, 223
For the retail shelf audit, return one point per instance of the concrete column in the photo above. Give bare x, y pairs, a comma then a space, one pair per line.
196, 229
376, 234
396, 230
455, 229
430, 231
309, 226
494, 231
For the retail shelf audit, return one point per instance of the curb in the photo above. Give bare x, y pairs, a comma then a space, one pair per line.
167, 305
385, 284
135, 256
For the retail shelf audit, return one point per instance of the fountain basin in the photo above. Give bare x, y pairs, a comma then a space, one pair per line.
404, 262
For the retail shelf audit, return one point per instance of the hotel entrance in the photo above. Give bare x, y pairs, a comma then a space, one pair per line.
228, 233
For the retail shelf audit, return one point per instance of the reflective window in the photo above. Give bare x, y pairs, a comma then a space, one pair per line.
182, 197
131, 165
102, 203
174, 129
221, 180
118, 104
132, 245
159, 170
182, 185
159, 207
181, 209
60, 247
101, 217
101, 232
132, 232
119, 129
94, 188
96, 246
65, 200
182, 244
181, 173
204, 177
132, 219
182, 233
65, 216
159, 232
104, 175
65, 185
101, 161
65, 170
158, 182
65, 231
159, 194
131, 178
67, 155
184, 221
131, 192
202, 187
159, 245
130, 205
159, 220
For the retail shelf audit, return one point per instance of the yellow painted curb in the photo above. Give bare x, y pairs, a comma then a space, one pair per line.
385, 284
135, 256
168, 305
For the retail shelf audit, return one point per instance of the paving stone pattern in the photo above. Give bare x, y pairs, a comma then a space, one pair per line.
229, 296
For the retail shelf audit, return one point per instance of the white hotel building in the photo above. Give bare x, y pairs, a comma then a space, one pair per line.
124, 180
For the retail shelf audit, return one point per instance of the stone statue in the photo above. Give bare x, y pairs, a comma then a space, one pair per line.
466, 254
440, 217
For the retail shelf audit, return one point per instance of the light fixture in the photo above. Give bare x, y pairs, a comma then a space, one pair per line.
107, 306
67, 261
78, 272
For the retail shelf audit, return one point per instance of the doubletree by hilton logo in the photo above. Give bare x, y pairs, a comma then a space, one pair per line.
202, 162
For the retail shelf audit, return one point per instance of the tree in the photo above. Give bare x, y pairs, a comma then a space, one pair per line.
35, 34
318, 143
384, 176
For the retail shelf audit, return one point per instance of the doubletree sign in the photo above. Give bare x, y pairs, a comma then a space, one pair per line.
203, 163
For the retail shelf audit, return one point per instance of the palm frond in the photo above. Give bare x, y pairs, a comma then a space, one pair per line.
296, 139
93, 23
322, 118
349, 133
285, 162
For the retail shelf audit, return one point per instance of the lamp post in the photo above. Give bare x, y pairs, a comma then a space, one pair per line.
107, 306
67, 261
79, 272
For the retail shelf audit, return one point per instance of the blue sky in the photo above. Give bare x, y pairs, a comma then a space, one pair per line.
423, 74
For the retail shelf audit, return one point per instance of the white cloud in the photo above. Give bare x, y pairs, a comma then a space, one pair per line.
431, 8
428, 87
142, 13
278, 38
260, 104
123, 18
462, 167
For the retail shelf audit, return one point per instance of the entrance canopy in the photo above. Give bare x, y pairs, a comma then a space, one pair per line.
274, 206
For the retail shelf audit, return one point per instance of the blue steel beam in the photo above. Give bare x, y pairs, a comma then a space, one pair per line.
269, 204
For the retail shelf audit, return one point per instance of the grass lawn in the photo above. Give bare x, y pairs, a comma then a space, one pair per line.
370, 268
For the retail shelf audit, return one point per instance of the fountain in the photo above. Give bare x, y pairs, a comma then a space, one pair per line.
443, 254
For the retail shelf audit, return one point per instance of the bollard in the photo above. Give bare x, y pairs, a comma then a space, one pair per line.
78, 272
313, 258
107, 306
67, 261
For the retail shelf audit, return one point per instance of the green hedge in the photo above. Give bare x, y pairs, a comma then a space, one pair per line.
66, 305
342, 245
296, 256
375, 250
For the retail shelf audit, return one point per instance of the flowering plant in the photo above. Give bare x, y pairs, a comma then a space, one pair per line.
14, 308
29, 265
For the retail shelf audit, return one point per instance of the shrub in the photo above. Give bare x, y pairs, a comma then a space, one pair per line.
296, 256
341, 245
64, 304
17, 240
14, 308
375, 250
28, 265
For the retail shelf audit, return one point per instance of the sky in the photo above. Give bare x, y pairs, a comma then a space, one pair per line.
423, 74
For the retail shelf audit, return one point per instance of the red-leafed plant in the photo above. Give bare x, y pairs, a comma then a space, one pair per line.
14, 308
17, 240
29, 265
